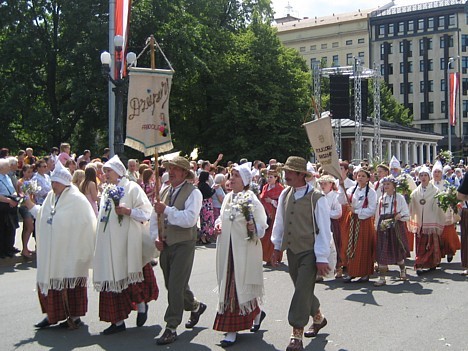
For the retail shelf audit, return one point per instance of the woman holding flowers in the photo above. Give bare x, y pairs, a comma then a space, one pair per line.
392, 243
122, 272
239, 258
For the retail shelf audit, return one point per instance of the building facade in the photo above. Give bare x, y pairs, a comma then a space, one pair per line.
414, 47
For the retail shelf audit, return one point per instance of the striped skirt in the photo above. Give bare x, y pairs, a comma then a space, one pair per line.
392, 243
427, 251
54, 305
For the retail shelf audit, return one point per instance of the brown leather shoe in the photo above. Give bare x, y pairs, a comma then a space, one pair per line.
168, 337
295, 345
195, 316
315, 328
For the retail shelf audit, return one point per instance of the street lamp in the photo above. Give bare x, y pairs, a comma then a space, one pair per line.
447, 102
119, 86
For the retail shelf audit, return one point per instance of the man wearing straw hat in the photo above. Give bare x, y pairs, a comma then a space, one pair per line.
179, 208
302, 227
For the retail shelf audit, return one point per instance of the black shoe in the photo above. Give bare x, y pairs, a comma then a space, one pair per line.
256, 327
226, 343
113, 329
195, 316
16, 250
168, 337
10, 254
449, 258
43, 324
66, 325
348, 279
142, 317
419, 272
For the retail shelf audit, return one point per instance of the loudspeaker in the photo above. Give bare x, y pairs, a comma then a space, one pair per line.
339, 96
364, 98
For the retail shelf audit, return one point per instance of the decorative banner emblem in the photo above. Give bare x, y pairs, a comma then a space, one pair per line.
422, 202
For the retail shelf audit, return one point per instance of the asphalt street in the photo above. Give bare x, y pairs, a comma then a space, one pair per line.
425, 313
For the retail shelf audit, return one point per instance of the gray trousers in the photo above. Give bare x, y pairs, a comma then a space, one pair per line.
176, 263
304, 303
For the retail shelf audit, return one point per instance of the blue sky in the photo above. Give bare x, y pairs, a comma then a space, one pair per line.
312, 8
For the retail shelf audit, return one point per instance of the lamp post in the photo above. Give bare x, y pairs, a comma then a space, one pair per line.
447, 102
119, 82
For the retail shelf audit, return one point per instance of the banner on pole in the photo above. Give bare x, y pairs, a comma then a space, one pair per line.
454, 88
148, 127
320, 134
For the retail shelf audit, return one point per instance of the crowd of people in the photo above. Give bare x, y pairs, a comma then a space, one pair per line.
119, 219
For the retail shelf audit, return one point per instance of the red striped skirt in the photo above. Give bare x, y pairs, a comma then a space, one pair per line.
115, 307
449, 241
231, 320
53, 303
362, 262
410, 238
427, 251
464, 238
336, 230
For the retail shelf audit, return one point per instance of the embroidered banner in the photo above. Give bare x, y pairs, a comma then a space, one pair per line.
320, 134
454, 87
148, 127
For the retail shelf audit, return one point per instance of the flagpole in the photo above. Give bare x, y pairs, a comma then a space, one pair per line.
110, 93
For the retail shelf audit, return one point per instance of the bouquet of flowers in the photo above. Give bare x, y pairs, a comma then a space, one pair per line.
387, 224
243, 203
255, 188
445, 157
28, 188
448, 199
403, 188
115, 194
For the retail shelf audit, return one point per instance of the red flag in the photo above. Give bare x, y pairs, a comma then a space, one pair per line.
453, 94
121, 20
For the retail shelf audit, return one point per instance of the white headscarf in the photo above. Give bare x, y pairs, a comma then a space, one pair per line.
245, 173
394, 163
116, 165
61, 175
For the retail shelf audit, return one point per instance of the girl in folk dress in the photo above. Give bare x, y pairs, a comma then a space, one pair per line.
392, 242
206, 213
358, 248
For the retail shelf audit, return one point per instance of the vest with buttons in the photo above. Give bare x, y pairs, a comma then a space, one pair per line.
298, 222
174, 234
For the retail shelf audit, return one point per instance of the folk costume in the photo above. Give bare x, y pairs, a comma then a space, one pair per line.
344, 230
358, 247
302, 227
463, 189
239, 267
449, 241
272, 193
392, 242
122, 273
183, 205
427, 223
65, 226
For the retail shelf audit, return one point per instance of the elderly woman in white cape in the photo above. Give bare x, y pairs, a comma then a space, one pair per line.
65, 227
239, 258
122, 272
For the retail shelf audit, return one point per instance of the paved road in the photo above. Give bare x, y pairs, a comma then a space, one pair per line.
425, 313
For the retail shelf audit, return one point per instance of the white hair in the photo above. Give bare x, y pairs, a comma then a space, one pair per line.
219, 178
4, 163
12, 160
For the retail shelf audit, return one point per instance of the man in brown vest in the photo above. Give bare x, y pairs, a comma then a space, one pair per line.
302, 227
180, 208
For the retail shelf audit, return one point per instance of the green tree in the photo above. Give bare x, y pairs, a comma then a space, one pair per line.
390, 109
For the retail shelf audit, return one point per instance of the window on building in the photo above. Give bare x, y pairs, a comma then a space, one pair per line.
410, 48
451, 21
430, 106
335, 44
382, 70
410, 66
390, 68
442, 107
335, 61
430, 23
324, 61
465, 108
428, 128
464, 42
464, 64
390, 87
402, 67
422, 86
465, 128
313, 47
402, 46
410, 88
401, 28
402, 88
323, 46
444, 129
390, 48
441, 22
349, 59
442, 85
430, 65
410, 107
382, 51
421, 65
302, 49
423, 110
430, 86
410, 26
421, 26
442, 63
391, 29
464, 87
361, 56
381, 31
450, 41
349, 42
361, 41
313, 62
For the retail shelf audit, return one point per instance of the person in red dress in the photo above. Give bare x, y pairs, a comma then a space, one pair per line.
269, 199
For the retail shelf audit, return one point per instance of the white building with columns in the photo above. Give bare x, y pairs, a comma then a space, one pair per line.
409, 145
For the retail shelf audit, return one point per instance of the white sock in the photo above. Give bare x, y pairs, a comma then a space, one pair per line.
119, 323
196, 309
257, 318
141, 307
231, 336
173, 330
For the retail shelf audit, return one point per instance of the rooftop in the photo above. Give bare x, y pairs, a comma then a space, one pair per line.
416, 7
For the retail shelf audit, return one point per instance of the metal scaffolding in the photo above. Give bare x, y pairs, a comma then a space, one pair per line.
357, 110
377, 144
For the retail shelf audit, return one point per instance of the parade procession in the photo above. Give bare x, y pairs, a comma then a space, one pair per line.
217, 191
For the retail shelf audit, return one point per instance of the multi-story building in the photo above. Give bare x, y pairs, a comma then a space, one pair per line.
414, 47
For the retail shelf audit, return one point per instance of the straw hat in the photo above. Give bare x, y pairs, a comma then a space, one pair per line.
296, 164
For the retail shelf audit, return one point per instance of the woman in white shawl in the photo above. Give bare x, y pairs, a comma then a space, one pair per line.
239, 258
121, 270
65, 227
